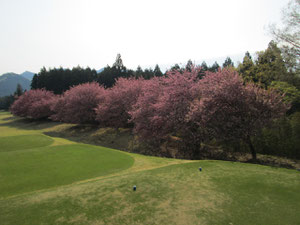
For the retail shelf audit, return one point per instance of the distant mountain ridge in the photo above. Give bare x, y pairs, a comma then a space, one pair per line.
100, 70
28, 75
9, 82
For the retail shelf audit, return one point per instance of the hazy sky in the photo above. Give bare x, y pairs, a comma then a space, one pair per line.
67, 33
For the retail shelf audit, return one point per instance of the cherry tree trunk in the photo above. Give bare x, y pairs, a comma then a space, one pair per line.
252, 149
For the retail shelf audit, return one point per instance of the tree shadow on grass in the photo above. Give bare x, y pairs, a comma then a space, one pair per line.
275, 161
95, 135
8, 118
27, 124
122, 139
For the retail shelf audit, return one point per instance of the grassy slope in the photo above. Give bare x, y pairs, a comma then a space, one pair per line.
39, 168
168, 192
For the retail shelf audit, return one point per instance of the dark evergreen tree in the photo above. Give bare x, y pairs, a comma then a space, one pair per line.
247, 69
267, 68
148, 74
204, 68
270, 66
214, 68
157, 72
248, 55
59, 80
6, 102
176, 67
189, 65
19, 90
34, 82
228, 62
139, 72
109, 75
119, 63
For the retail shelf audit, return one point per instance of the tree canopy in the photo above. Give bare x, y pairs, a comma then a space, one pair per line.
59, 80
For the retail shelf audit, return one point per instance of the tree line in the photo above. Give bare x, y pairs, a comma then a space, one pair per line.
59, 80
219, 106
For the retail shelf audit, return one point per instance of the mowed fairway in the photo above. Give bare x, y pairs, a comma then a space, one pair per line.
44, 167
56, 181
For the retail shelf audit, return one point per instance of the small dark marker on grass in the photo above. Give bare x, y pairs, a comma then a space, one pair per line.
134, 188
200, 169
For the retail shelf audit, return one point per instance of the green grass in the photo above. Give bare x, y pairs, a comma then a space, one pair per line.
13, 143
40, 168
71, 183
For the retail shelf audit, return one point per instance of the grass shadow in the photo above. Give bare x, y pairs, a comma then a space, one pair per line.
27, 124
92, 134
275, 161
8, 118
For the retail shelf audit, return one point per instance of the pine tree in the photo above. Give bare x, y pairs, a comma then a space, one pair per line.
19, 90
228, 62
139, 72
214, 68
119, 63
203, 70
247, 69
157, 71
270, 66
189, 65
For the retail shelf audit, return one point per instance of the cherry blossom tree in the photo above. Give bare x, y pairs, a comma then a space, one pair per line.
118, 101
34, 104
143, 111
232, 110
78, 104
161, 109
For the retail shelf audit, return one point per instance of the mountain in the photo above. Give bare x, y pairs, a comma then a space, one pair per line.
100, 70
9, 82
28, 75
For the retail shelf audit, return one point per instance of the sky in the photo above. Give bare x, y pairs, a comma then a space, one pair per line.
68, 33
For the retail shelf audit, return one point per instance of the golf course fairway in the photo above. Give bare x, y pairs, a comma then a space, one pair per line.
51, 180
